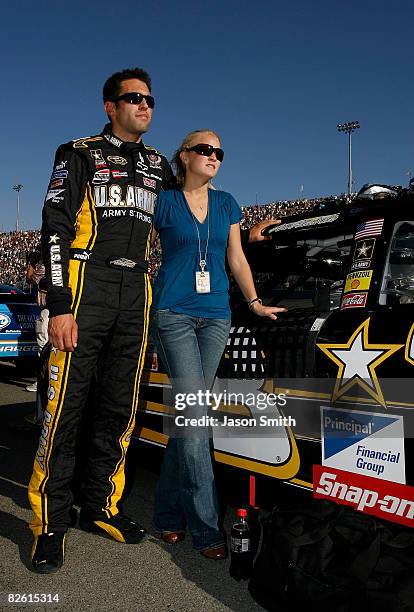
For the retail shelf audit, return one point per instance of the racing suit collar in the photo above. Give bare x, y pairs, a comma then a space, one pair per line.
117, 142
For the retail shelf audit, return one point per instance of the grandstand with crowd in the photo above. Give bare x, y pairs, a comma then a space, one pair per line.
15, 247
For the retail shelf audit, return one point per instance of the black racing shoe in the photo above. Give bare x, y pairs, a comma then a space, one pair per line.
119, 527
48, 552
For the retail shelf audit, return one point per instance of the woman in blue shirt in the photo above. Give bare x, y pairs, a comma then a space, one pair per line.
191, 321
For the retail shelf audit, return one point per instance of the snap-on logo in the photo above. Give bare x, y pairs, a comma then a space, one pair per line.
388, 500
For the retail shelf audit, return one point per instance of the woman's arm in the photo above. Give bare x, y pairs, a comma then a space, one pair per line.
243, 275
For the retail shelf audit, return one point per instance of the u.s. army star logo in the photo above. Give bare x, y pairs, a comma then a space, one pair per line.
357, 360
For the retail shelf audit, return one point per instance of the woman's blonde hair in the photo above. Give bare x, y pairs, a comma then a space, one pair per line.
186, 143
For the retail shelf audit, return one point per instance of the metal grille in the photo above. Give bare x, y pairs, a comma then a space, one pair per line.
277, 348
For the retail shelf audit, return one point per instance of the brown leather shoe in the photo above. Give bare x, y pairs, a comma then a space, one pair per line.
218, 552
173, 537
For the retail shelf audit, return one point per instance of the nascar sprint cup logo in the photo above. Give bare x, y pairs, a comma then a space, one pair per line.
5, 321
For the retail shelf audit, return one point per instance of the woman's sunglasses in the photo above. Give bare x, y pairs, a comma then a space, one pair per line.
133, 97
207, 150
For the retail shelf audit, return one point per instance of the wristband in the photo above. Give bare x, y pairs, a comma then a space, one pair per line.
256, 299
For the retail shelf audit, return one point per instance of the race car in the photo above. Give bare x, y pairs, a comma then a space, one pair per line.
322, 398
338, 365
18, 314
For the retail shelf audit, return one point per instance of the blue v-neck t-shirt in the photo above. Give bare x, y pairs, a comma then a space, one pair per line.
174, 286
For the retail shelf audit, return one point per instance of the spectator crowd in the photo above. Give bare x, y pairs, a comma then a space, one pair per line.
16, 246
285, 208
14, 250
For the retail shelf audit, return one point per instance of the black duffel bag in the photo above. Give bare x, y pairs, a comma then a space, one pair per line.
335, 558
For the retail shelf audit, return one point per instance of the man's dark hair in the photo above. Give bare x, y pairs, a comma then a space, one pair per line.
112, 85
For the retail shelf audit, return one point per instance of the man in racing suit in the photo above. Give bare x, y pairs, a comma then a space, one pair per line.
95, 238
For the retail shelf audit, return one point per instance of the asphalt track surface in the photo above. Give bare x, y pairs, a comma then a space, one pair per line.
100, 574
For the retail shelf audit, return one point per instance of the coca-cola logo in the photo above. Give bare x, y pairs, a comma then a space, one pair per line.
354, 300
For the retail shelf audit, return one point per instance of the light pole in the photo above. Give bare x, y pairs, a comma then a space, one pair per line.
17, 188
349, 128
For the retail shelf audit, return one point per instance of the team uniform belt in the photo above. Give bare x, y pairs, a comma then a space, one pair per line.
114, 261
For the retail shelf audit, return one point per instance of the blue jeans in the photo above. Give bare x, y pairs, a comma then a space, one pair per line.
191, 349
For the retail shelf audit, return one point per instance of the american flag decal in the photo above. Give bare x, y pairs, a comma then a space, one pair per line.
369, 228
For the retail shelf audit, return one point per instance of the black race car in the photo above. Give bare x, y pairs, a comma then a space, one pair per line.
338, 366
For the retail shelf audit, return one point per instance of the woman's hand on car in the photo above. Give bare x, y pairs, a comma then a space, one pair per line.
266, 311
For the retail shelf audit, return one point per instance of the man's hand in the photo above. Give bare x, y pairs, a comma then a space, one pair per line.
255, 234
63, 332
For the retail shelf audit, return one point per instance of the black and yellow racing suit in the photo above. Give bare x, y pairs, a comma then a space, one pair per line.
95, 240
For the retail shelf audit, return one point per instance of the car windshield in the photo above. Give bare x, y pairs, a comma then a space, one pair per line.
398, 280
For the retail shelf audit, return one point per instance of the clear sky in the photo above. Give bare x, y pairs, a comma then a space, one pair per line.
273, 78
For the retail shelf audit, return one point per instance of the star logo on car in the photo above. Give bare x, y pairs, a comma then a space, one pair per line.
363, 250
357, 361
53, 239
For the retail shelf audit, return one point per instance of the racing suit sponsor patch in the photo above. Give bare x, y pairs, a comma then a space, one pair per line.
101, 176
117, 160
149, 182
80, 143
135, 197
41, 451
56, 183
56, 267
123, 262
61, 166
149, 174
113, 140
59, 174
98, 158
53, 194
154, 160
80, 254
116, 174
141, 165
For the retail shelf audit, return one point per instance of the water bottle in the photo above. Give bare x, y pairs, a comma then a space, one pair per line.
241, 565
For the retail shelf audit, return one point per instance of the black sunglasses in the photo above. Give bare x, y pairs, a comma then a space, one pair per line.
134, 97
207, 150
